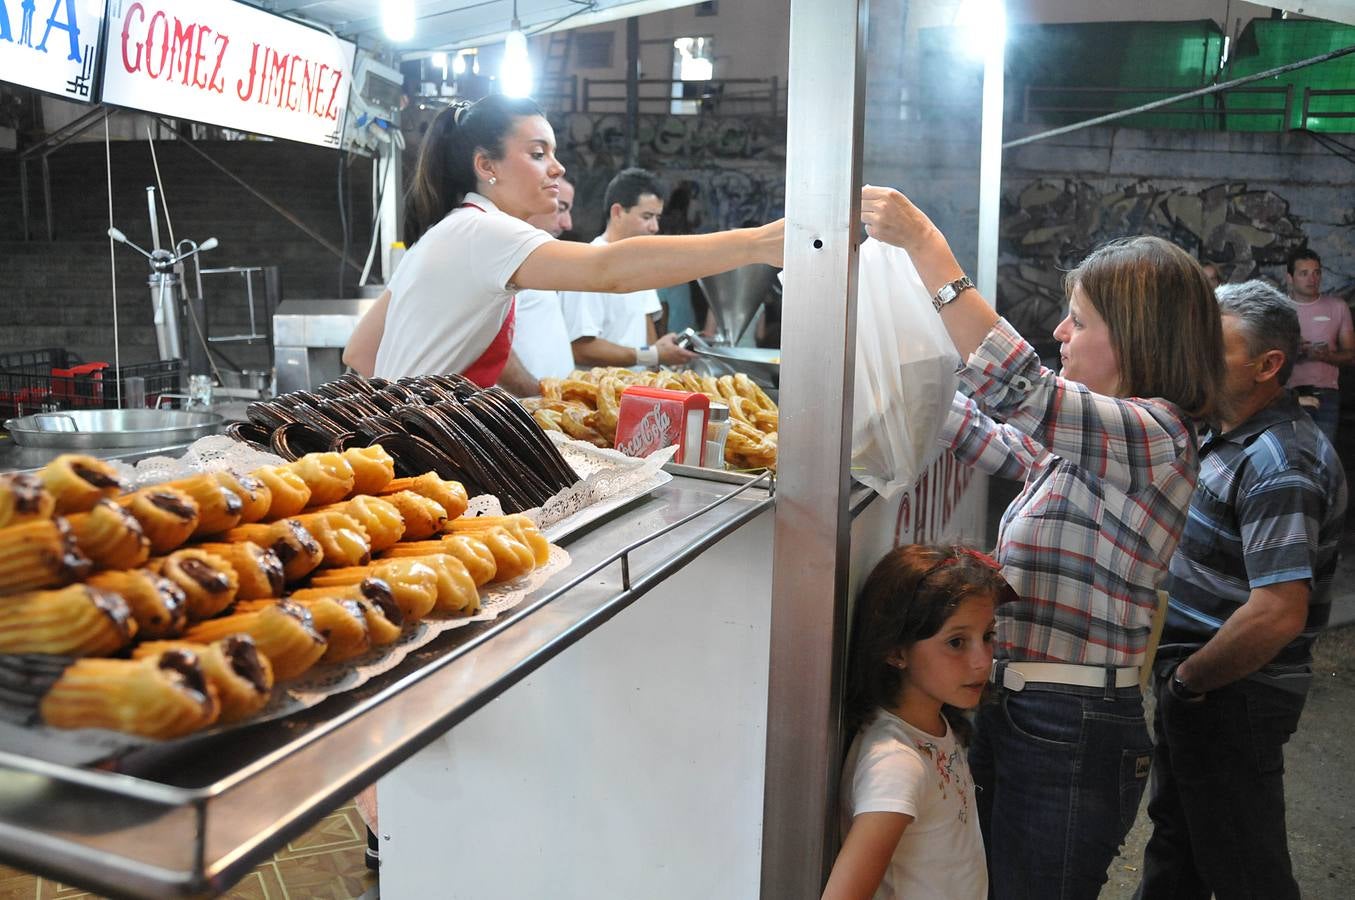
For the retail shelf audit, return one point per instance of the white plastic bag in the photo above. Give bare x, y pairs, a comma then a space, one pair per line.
905, 372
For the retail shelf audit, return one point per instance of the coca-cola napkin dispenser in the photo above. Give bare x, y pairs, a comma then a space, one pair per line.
650, 419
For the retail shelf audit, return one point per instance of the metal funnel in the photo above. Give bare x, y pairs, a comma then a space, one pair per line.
735, 297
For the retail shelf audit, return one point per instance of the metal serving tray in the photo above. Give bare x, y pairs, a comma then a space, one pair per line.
97, 429
189, 820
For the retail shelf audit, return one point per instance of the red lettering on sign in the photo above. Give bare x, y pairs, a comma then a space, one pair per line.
127, 64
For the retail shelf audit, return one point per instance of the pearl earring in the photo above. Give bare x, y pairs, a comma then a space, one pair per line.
493, 181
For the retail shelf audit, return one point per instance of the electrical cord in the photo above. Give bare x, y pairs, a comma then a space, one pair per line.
1326, 141
585, 6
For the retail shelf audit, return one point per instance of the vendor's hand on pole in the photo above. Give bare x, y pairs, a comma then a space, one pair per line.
670, 354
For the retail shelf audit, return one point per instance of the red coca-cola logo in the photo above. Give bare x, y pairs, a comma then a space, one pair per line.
654, 431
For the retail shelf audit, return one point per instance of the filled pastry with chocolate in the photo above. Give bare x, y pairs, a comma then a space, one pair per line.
255, 497
457, 588
412, 583
288, 493
329, 476
518, 525
379, 518
258, 568
24, 498
110, 536
74, 621
341, 538
473, 553
158, 604
158, 696
77, 482
283, 631
371, 595
241, 675
168, 516
450, 495
38, 555
209, 582
423, 518
339, 620
296, 548
373, 468
218, 507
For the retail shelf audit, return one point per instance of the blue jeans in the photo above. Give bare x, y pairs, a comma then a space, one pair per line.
1327, 416
1217, 797
1059, 771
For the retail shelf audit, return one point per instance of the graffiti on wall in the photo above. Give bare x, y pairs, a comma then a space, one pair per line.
1048, 226
734, 167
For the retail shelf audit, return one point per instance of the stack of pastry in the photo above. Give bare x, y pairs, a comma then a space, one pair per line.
221, 584
585, 406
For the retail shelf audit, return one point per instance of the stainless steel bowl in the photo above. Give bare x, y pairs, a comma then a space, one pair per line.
95, 429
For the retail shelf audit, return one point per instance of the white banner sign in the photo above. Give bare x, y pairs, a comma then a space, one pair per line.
228, 64
51, 45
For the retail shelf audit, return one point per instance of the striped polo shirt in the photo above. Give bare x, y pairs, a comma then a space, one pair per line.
1268, 508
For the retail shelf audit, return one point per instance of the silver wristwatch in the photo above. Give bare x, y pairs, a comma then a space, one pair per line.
951, 290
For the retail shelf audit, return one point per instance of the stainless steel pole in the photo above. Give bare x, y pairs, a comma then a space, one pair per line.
810, 556
632, 91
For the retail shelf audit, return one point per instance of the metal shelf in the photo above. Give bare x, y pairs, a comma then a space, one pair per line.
192, 818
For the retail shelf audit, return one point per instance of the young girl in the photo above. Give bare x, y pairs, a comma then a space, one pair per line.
922, 645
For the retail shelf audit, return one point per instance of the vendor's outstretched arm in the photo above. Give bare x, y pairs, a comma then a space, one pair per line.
360, 352
647, 262
891, 217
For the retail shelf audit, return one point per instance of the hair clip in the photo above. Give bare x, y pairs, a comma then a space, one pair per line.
460, 114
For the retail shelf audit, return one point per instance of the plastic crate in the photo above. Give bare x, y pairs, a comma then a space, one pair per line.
53, 379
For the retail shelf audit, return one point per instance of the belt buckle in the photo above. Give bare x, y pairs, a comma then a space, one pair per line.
1012, 680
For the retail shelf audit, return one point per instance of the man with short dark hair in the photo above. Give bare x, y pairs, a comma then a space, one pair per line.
1328, 341
618, 329
1249, 590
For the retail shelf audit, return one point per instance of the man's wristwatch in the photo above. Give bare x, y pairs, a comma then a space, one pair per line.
1180, 690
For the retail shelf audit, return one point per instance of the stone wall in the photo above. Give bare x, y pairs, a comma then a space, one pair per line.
1241, 200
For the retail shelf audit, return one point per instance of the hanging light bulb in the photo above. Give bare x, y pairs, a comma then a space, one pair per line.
515, 73
459, 64
397, 19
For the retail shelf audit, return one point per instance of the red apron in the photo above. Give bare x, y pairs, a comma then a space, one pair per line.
486, 370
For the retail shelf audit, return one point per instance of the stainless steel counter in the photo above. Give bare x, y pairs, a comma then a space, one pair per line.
192, 819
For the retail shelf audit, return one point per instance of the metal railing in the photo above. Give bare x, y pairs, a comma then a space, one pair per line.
746, 95
1102, 100
1308, 112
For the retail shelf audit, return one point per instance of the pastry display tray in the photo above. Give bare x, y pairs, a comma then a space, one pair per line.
165, 823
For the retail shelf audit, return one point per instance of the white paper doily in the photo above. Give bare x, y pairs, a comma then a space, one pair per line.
608, 479
210, 454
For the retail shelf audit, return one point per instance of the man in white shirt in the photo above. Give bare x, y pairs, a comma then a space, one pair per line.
618, 329
540, 341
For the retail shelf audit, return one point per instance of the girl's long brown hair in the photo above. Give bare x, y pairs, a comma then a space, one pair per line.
907, 597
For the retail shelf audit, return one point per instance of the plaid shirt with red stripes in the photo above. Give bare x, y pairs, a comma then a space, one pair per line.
1108, 483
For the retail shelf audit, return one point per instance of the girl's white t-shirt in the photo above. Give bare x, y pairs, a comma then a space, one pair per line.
450, 295
894, 767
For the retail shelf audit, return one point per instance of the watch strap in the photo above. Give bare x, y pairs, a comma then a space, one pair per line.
950, 290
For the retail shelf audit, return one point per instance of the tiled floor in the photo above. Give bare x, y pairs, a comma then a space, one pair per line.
325, 863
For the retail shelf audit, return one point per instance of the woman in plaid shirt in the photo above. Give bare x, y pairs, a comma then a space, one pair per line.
1107, 452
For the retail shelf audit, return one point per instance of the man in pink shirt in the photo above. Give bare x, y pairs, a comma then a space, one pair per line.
1328, 342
